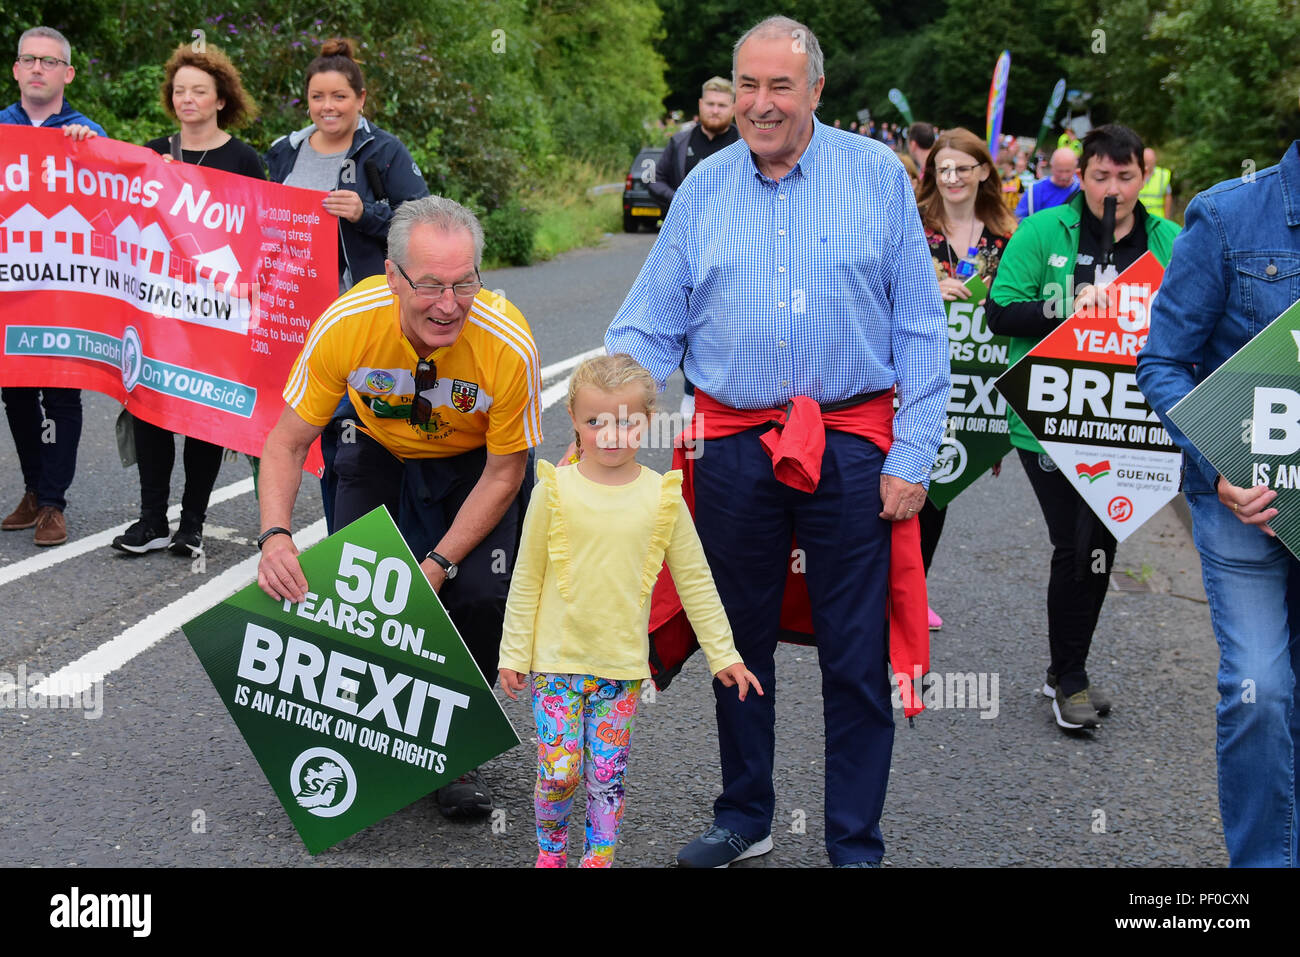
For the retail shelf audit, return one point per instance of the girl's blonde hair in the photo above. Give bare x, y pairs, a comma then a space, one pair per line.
610, 373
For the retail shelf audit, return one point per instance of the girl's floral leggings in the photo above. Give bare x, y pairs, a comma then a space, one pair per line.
582, 722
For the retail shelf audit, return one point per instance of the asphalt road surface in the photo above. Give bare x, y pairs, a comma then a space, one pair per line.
162, 776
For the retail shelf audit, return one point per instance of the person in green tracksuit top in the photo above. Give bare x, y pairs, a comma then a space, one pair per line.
1054, 265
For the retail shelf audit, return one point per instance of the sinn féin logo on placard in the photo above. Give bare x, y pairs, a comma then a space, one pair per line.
380, 381
1092, 472
950, 462
132, 358
323, 782
463, 395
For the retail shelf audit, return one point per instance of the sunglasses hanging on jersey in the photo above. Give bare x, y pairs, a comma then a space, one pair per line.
426, 377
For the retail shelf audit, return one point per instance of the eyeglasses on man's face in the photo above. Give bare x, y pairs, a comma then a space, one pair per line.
27, 61
434, 290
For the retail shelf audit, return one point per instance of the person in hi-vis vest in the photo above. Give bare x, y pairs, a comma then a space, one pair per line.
1157, 195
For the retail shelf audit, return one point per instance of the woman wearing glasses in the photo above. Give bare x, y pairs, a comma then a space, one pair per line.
365, 174
967, 226
203, 91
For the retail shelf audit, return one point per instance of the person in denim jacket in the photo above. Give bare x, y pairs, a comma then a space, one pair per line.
1236, 268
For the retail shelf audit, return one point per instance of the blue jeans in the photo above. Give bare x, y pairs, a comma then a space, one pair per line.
1253, 585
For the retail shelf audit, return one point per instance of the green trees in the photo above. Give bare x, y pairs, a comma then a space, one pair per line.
1215, 83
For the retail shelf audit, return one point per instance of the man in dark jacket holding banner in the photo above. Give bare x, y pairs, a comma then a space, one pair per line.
45, 422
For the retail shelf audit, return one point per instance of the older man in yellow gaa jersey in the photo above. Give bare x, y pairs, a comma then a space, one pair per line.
446, 385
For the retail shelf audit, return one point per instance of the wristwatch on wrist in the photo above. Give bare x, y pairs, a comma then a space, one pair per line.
277, 530
451, 568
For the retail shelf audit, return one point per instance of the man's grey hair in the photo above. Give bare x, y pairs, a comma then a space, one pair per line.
50, 33
802, 40
436, 211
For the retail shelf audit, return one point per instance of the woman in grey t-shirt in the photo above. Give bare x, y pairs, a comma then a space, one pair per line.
364, 172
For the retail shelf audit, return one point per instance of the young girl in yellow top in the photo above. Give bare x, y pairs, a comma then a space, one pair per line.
593, 541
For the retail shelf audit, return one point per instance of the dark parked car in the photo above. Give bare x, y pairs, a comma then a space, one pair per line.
639, 207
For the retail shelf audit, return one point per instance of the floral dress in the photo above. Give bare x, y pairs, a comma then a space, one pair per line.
946, 260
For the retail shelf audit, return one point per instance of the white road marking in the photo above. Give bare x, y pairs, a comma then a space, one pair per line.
553, 394
93, 666
564, 365
49, 557
224, 534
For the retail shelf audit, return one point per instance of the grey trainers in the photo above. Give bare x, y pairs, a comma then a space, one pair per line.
718, 847
1100, 702
1075, 711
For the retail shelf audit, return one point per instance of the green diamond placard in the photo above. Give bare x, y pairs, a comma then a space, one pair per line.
1245, 418
359, 700
975, 435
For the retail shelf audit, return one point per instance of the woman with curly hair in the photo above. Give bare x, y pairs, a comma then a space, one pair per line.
204, 93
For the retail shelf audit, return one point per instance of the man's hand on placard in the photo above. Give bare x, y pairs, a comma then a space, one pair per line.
1250, 505
79, 131
278, 571
901, 499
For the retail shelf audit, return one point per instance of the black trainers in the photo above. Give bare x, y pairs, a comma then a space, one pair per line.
467, 796
186, 544
146, 535
718, 847
1100, 702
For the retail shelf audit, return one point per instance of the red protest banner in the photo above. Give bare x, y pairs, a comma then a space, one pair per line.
183, 292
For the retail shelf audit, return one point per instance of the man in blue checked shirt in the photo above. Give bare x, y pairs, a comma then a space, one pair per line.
793, 264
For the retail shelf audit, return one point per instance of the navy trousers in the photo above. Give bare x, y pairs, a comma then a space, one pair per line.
423, 496
746, 519
48, 467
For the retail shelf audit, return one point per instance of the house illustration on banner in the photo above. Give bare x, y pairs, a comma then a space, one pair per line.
71, 231
23, 232
68, 232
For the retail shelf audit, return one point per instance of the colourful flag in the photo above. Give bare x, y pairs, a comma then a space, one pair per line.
997, 102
